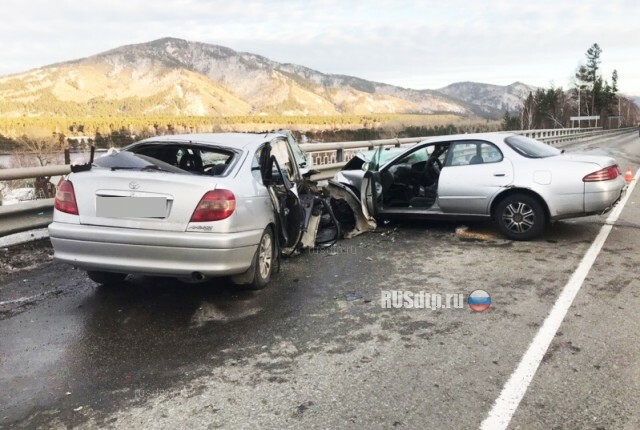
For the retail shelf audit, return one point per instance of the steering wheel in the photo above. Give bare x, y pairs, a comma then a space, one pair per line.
214, 169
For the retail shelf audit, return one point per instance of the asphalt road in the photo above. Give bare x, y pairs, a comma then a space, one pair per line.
315, 350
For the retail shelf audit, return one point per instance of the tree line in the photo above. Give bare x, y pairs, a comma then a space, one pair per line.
117, 131
591, 95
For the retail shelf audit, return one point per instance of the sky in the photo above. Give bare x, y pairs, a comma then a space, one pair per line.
414, 44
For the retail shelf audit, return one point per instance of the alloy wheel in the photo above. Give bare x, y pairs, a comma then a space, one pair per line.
519, 217
265, 256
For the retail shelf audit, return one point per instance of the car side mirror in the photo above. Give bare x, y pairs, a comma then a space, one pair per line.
308, 173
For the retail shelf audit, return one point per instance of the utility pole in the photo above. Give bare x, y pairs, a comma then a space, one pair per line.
618, 111
578, 106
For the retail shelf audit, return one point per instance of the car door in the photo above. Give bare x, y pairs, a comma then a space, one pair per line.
281, 150
473, 173
371, 188
290, 214
377, 184
370, 192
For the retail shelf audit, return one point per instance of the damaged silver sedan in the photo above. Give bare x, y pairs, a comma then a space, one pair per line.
198, 206
519, 183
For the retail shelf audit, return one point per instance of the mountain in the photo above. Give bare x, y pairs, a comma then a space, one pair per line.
489, 100
175, 77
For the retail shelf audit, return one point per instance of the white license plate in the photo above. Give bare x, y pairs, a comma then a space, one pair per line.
131, 207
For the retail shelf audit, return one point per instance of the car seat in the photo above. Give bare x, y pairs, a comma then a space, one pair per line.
477, 159
191, 163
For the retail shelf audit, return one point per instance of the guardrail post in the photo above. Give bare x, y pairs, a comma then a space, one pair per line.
339, 155
67, 156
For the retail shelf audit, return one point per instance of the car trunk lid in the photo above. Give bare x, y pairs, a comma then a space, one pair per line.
148, 200
600, 160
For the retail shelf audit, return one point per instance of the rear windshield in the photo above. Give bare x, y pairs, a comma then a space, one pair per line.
531, 148
173, 157
125, 160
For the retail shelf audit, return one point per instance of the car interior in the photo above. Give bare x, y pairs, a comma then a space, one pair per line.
413, 180
195, 159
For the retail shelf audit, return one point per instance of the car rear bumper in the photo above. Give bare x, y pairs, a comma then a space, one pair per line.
600, 196
152, 252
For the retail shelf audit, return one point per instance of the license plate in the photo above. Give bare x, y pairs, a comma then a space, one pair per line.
131, 207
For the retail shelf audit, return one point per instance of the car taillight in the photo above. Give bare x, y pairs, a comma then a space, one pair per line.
214, 206
65, 200
606, 174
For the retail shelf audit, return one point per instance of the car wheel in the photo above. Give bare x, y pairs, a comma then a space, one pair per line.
262, 264
106, 278
520, 217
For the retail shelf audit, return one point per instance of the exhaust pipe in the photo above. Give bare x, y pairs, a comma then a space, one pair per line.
197, 276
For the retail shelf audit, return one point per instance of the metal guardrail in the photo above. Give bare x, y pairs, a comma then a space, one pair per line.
329, 158
33, 172
25, 216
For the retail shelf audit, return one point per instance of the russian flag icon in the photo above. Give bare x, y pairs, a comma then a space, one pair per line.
479, 301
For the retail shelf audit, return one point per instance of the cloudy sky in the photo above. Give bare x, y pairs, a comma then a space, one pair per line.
416, 44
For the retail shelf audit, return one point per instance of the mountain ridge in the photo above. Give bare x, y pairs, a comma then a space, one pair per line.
172, 76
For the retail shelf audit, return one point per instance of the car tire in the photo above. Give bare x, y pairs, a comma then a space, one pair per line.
106, 278
261, 265
520, 217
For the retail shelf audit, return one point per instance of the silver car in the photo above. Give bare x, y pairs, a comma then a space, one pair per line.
192, 207
520, 183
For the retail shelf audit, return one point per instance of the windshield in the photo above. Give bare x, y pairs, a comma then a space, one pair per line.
298, 154
385, 155
531, 148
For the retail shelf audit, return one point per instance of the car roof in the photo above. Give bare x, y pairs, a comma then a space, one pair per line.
492, 136
231, 140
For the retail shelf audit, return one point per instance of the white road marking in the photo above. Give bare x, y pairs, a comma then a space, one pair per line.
20, 300
512, 393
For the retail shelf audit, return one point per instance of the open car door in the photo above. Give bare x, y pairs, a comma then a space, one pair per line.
290, 214
371, 188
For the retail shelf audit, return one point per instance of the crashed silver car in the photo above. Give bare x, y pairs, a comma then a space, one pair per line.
520, 183
197, 206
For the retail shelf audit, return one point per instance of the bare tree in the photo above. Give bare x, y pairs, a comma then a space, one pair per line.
43, 148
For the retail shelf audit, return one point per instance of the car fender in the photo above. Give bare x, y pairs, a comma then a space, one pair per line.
511, 189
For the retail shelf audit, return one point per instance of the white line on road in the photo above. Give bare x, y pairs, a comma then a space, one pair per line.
20, 300
515, 388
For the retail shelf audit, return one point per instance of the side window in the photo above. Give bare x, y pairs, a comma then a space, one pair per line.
255, 165
280, 150
467, 153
